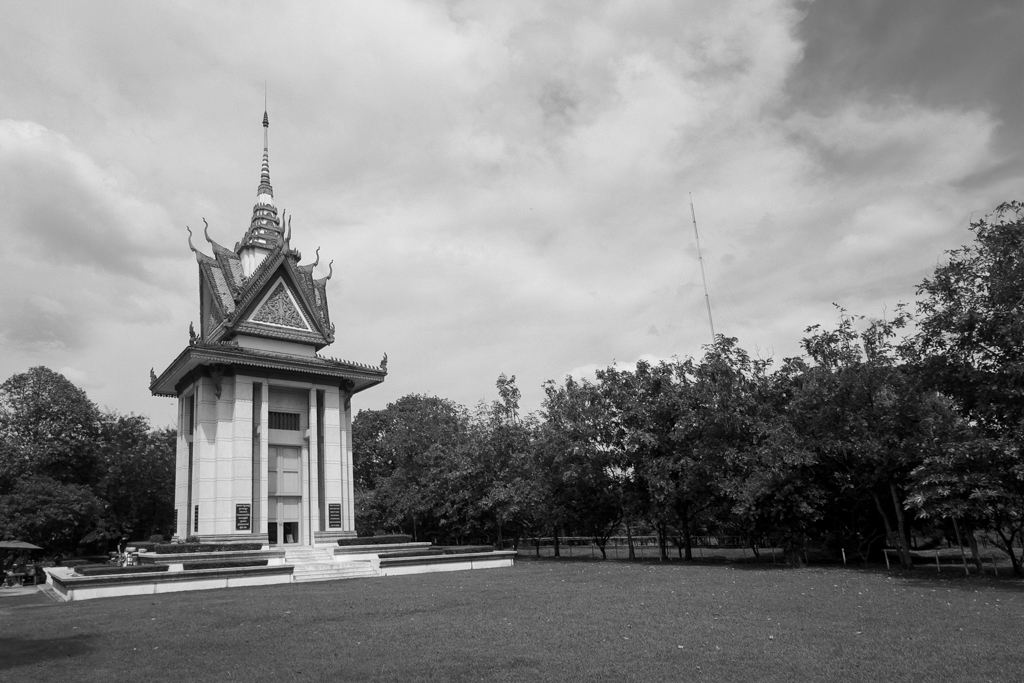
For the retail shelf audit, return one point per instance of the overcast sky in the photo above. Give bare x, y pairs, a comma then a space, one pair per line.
503, 186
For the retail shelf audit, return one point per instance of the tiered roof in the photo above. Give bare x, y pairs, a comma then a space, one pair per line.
279, 299
353, 376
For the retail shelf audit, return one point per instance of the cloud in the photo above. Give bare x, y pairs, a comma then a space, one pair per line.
66, 210
80, 248
504, 187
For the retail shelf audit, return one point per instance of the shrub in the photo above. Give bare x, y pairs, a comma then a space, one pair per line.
144, 545
166, 548
105, 569
192, 539
95, 559
376, 540
223, 564
426, 552
157, 538
461, 549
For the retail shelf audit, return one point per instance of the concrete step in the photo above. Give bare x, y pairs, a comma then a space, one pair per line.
317, 564
308, 574
331, 566
331, 576
308, 555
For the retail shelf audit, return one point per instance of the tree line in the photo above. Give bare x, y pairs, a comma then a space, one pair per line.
72, 475
881, 427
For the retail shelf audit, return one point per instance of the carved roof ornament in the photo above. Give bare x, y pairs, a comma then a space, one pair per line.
217, 375
192, 336
200, 256
384, 362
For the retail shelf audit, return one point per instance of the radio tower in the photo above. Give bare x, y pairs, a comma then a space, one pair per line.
703, 277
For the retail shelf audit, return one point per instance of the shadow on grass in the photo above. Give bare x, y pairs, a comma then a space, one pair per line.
921, 576
24, 651
670, 563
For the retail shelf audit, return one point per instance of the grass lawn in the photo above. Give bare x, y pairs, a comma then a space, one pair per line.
541, 620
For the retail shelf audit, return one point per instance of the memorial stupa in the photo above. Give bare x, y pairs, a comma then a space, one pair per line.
264, 450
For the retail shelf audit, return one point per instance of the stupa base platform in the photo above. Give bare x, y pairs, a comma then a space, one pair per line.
71, 587
298, 564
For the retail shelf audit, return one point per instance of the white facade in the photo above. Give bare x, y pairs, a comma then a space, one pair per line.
288, 481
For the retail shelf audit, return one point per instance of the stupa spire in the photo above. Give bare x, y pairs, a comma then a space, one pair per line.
265, 230
265, 187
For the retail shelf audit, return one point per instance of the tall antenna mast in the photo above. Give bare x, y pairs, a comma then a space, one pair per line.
703, 277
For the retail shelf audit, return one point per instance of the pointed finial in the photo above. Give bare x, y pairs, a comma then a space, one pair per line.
265, 187
317, 257
384, 362
331, 271
288, 237
152, 377
206, 231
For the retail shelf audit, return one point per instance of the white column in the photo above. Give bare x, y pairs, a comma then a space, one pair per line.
313, 487
348, 522
333, 491
264, 459
204, 458
241, 451
181, 470
221, 514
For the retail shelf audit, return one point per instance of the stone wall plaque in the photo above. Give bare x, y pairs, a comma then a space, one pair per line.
243, 517
334, 515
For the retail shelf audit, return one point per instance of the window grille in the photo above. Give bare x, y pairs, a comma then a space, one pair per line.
288, 421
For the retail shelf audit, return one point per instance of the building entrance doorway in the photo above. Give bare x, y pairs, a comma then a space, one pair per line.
284, 495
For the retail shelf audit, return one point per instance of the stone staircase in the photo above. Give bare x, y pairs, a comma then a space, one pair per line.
317, 564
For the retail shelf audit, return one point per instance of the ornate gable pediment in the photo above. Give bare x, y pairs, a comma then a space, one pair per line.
280, 308
259, 288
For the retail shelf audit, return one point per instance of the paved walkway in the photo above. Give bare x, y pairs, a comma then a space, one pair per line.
22, 596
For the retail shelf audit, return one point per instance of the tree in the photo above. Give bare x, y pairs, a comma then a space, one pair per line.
864, 412
979, 483
49, 513
576, 462
656, 416
500, 443
970, 323
137, 480
70, 474
770, 473
400, 456
970, 347
48, 427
